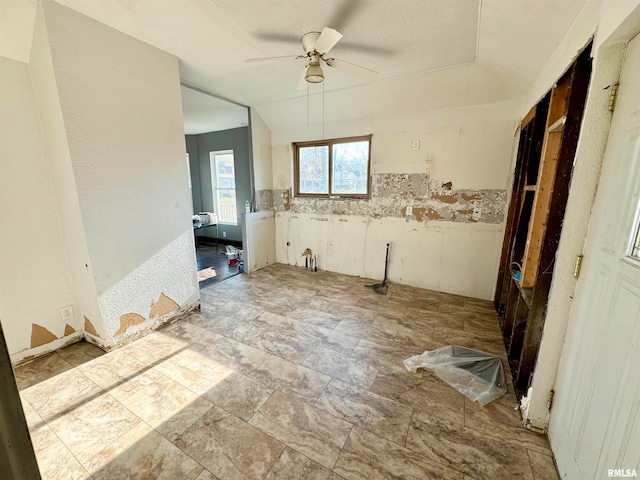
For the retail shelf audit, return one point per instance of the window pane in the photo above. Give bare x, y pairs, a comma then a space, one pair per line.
224, 187
224, 170
314, 169
635, 249
350, 165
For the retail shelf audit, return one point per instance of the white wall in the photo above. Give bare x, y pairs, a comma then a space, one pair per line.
35, 280
470, 147
262, 160
121, 107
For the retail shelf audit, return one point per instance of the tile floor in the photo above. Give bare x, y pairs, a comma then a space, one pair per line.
284, 374
212, 256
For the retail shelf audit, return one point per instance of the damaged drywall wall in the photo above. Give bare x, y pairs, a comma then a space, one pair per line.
129, 320
163, 307
40, 336
392, 193
89, 328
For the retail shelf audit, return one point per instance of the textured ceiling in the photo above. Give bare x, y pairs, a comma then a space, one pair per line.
204, 113
472, 51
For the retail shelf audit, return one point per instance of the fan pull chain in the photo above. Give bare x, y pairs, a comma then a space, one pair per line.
307, 105
323, 110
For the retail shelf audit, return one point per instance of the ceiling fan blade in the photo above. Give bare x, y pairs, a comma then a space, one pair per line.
273, 58
343, 15
302, 83
352, 68
327, 40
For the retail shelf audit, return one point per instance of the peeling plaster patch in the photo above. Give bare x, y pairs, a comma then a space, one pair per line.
264, 200
281, 200
40, 336
435, 203
88, 327
163, 307
129, 320
69, 330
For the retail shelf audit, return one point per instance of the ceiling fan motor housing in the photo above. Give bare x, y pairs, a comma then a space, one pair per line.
309, 41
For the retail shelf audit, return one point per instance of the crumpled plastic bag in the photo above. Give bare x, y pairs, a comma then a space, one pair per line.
479, 376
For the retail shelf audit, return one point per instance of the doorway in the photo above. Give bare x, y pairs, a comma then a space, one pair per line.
218, 145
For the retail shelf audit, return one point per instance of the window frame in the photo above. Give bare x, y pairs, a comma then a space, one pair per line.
329, 143
214, 184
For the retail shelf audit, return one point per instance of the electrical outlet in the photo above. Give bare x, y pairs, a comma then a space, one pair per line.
409, 210
415, 145
67, 312
224, 234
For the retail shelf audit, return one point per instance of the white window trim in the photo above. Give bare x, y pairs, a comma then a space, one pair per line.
214, 184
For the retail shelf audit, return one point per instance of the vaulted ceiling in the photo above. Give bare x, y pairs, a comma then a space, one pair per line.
430, 54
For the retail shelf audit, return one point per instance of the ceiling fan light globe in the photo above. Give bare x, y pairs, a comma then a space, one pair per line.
314, 74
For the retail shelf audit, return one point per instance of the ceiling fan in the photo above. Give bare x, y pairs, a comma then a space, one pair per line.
316, 46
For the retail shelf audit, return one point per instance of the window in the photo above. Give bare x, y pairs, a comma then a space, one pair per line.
332, 168
223, 179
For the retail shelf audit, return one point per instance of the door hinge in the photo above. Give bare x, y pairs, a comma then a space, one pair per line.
550, 399
578, 267
613, 96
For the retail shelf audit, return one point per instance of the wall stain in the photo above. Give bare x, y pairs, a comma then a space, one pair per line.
129, 320
40, 335
163, 307
69, 330
89, 328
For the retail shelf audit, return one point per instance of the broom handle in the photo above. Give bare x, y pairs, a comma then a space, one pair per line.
386, 262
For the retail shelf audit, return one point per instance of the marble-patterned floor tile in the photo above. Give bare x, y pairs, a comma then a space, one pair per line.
80, 353
315, 317
543, 466
389, 354
41, 435
60, 394
213, 322
353, 311
229, 447
93, 425
233, 354
230, 308
368, 410
238, 395
206, 475
193, 370
503, 422
42, 368
463, 309
296, 380
292, 347
185, 333
483, 326
351, 370
308, 430
142, 453
167, 406
367, 456
417, 340
423, 392
152, 348
366, 329
476, 341
56, 462
336, 341
294, 466
417, 316
119, 374
475, 454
